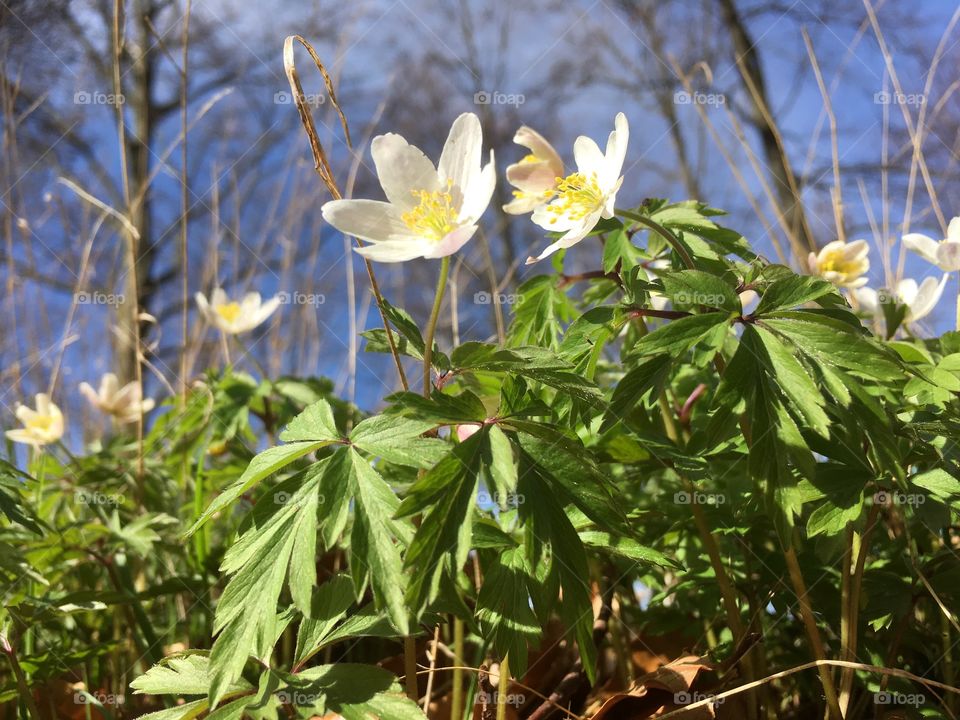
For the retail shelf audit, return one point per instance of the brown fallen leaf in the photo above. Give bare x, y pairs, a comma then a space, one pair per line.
667, 688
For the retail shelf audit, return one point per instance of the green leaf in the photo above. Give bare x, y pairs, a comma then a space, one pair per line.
648, 376
626, 547
939, 483
264, 464
503, 608
696, 287
314, 423
830, 341
678, 336
398, 440
443, 538
503, 469
789, 292
354, 692
181, 675
376, 532
792, 380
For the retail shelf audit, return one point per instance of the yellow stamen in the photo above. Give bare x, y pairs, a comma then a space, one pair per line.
434, 216
838, 263
577, 196
529, 158
229, 312
40, 422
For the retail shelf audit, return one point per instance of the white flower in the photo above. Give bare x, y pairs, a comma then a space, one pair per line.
920, 300
842, 263
41, 426
945, 254
536, 175
124, 403
431, 212
234, 317
582, 198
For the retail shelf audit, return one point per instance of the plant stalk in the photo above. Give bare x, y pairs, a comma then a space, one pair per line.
432, 326
502, 686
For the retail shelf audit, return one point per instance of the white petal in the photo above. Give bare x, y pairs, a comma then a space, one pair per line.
452, 241
543, 150
109, 384
367, 219
203, 305
948, 256
922, 245
22, 435
460, 160
868, 299
267, 309
523, 205
402, 168
395, 250
616, 149
574, 234
953, 230
476, 197
588, 156
532, 177
219, 297
856, 250
86, 389
907, 291
926, 298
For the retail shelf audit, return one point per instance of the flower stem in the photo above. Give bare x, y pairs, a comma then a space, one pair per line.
958, 300
502, 684
667, 235
432, 326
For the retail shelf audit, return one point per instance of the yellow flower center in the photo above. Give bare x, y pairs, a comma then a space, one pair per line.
229, 311
577, 196
532, 157
434, 216
40, 422
838, 263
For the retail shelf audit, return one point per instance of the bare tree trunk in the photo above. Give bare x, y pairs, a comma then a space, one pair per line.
138, 282
777, 161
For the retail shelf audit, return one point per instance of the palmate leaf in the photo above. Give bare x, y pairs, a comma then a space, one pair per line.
696, 287
353, 692
678, 336
398, 440
181, 675
789, 292
549, 528
447, 493
311, 430
503, 608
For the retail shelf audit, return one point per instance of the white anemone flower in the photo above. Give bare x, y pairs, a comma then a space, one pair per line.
920, 300
536, 175
580, 199
431, 212
945, 254
842, 263
234, 317
41, 426
125, 403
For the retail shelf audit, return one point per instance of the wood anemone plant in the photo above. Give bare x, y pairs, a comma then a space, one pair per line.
686, 481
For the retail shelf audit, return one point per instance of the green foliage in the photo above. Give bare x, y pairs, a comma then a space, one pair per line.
608, 448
